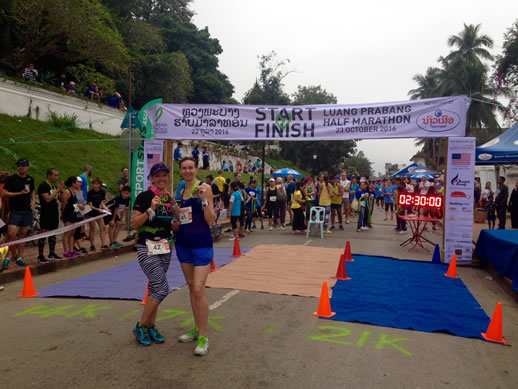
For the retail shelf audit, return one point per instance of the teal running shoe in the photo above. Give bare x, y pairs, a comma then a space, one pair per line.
142, 335
155, 335
202, 347
5, 264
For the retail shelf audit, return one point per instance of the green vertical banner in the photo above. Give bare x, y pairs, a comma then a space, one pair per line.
137, 163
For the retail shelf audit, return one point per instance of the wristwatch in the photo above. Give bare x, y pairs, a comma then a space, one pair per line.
205, 203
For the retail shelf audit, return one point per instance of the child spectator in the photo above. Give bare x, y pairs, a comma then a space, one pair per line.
205, 158
71, 88
30, 74
93, 93
236, 201
491, 212
115, 100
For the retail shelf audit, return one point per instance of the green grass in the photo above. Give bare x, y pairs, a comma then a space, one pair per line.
68, 150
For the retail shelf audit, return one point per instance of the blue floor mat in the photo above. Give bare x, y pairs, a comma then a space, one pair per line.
409, 295
126, 281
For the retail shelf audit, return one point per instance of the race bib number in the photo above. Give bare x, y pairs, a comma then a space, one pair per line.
186, 215
273, 199
155, 247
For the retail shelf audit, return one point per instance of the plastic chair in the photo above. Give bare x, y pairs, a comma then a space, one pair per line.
316, 216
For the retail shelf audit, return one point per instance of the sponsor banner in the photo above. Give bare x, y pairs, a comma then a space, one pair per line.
458, 209
153, 153
437, 117
138, 171
57, 231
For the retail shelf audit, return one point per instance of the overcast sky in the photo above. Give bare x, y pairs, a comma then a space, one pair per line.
362, 52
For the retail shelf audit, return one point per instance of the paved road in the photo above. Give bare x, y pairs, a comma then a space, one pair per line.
257, 339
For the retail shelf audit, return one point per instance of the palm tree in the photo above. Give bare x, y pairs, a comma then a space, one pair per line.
428, 85
471, 46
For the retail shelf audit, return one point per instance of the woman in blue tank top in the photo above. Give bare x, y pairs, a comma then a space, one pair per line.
194, 248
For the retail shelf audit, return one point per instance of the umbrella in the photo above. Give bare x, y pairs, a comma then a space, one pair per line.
287, 172
418, 176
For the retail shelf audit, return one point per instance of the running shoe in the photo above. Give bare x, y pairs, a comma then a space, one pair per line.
155, 335
358, 230
248, 230
129, 238
271, 228
189, 336
332, 228
341, 227
364, 228
104, 247
76, 253
202, 348
54, 256
254, 227
403, 232
69, 254
232, 239
5, 264
42, 259
283, 228
328, 232
142, 335
20, 262
117, 245
92, 248
241, 236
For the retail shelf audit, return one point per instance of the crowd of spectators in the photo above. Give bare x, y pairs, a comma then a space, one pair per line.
68, 86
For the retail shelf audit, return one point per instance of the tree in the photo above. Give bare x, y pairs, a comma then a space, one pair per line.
308, 95
56, 33
507, 70
428, 85
359, 163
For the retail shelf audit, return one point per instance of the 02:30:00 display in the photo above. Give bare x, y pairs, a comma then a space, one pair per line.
420, 200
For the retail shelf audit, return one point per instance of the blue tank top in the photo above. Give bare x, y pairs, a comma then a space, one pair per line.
196, 234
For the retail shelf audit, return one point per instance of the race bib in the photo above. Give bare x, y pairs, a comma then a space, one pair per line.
186, 215
155, 247
121, 209
273, 199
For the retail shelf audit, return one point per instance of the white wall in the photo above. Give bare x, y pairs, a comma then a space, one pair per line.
19, 99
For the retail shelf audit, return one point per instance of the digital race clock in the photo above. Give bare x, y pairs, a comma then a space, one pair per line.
419, 200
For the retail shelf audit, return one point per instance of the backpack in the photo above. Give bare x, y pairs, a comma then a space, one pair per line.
281, 195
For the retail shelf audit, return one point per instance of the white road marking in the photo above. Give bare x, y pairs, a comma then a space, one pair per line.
308, 242
223, 299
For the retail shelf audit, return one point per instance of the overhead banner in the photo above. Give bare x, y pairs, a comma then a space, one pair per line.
458, 208
437, 117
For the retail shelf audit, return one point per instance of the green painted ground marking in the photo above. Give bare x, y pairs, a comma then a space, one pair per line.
89, 310
270, 328
44, 311
332, 338
385, 340
211, 323
171, 314
363, 338
126, 315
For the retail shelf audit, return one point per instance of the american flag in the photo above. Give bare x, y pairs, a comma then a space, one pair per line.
461, 159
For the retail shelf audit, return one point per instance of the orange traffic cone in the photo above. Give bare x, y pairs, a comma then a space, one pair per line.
494, 331
28, 286
341, 272
347, 253
144, 302
452, 269
324, 306
212, 266
237, 249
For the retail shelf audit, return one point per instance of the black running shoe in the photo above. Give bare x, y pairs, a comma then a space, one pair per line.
42, 259
54, 256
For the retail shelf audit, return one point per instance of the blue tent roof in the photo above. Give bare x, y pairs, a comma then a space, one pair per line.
287, 172
414, 168
502, 149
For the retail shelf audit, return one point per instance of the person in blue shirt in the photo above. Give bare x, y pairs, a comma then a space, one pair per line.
93, 93
379, 193
205, 158
235, 208
224, 166
87, 172
196, 155
388, 194
231, 167
181, 186
178, 152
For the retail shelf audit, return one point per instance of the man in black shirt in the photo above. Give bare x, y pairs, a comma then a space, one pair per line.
216, 194
502, 193
22, 199
48, 192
